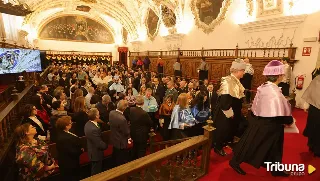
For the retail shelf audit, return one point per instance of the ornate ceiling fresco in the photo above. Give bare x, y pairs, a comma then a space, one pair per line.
135, 16
76, 28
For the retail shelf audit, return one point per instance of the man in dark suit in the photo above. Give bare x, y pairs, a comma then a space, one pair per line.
95, 144
84, 90
120, 133
158, 91
171, 90
212, 98
69, 150
140, 127
136, 81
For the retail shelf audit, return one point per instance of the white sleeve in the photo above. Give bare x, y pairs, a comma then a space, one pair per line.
229, 113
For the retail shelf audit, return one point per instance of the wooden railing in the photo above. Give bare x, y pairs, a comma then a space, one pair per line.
230, 53
10, 117
188, 160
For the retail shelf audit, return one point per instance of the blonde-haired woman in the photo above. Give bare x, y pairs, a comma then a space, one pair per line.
77, 93
32, 156
182, 119
142, 90
80, 115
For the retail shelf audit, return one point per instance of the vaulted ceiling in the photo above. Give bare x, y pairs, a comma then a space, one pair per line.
129, 14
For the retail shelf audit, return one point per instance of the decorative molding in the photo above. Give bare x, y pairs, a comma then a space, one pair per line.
273, 42
221, 16
136, 45
274, 23
250, 4
173, 41
269, 7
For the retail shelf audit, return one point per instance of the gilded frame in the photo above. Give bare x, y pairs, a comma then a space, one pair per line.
274, 11
209, 28
152, 37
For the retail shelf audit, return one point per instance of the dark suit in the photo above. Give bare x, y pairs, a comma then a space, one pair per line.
120, 133
84, 90
136, 83
174, 93
95, 145
141, 124
212, 100
159, 93
69, 151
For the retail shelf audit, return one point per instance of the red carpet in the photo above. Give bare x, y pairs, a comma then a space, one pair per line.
295, 151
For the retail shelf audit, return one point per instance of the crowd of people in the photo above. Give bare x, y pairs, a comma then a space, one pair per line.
85, 100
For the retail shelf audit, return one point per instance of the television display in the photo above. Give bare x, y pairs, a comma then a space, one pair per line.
19, 60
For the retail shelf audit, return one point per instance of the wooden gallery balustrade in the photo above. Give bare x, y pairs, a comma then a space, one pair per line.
219, 60
186, 159
10, 117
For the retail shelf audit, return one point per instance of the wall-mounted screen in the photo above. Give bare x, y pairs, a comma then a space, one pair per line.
19, 60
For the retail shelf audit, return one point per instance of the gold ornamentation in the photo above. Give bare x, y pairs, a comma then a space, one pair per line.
147, 21
249, 4
221, 16
268, 7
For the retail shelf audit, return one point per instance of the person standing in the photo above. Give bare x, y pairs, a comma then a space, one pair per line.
227, 114
171, 91
151, 107
312, 97
246, 81
95, 144
69, 149
141, 124
160, 64
177, 68
120, 133
285, 83
203, 70
263, 140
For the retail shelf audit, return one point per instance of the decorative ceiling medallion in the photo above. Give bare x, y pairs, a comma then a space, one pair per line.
152, 23
269, 7
168, 16
209, 13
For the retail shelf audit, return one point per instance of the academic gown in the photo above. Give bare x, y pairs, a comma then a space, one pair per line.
226, 127
312, 130
262, 141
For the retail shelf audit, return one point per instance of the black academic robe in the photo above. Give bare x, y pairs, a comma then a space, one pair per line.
226, 128
262, 141
312, 130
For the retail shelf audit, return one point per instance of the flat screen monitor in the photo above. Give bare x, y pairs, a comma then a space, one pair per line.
19, 60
